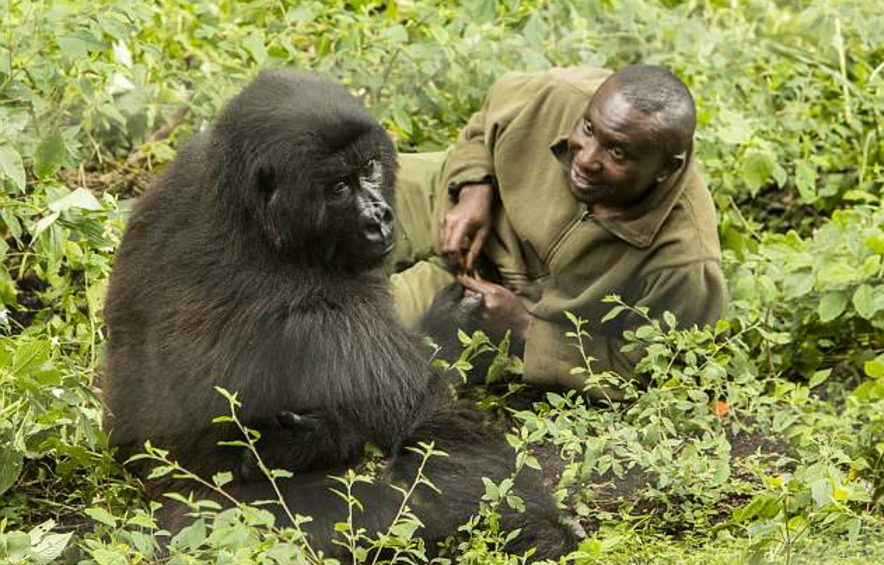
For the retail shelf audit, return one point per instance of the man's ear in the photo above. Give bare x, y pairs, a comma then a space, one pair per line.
672, 166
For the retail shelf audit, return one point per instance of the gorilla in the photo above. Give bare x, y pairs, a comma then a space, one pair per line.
254, 264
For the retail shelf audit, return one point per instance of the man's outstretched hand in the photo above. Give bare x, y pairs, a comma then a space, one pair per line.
501, 309
468, 221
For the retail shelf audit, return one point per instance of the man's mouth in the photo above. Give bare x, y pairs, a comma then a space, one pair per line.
583, 184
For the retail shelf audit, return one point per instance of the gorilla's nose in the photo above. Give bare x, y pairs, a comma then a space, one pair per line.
377, 223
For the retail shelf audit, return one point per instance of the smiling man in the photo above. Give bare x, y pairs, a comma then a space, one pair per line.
567, 186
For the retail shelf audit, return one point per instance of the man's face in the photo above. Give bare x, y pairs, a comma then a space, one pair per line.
618, 152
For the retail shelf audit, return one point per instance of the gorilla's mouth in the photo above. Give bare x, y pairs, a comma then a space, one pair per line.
382, 249
371, 252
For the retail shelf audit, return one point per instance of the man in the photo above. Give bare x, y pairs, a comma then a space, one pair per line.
567, 186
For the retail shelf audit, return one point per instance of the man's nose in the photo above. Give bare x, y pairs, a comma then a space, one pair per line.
587, 157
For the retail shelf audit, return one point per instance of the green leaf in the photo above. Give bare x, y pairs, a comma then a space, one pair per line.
80, 44
612, 313
735, 129
11, 462
875, 242
51, 546
821, 491
864, 301
874, 368
11, 167
779, 174
254, 44
96, 295
160, 471
669, 317
831, 306
819, 378
869, 391
482, 11
29, 357
835, 274
222, 478
102, 515
43, 224
796, 285
535, 30
404, 530
18, 546
50, 155
756, 170
8, 291
191, 537
108, 555
402, 119
860, 196
645, 332
805, 181
80, 198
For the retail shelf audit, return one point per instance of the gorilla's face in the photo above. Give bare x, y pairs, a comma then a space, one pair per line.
333, 206
306, 167
357, 200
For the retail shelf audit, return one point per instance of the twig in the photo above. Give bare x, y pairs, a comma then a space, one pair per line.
745, 222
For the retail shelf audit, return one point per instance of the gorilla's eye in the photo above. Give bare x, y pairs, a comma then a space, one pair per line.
340, 189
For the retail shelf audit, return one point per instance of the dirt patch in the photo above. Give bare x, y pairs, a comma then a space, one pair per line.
124, 181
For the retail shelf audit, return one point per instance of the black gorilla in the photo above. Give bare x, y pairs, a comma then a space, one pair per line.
252, 264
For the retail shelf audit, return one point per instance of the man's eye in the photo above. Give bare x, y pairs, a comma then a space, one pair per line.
587, 127
617, 153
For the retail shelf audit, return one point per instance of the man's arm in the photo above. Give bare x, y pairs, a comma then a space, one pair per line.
468, 178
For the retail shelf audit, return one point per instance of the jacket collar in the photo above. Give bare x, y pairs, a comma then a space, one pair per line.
641, 223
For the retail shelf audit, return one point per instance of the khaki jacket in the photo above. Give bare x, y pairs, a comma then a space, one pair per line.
664, 254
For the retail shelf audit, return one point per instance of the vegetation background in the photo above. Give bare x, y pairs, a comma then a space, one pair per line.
761, 441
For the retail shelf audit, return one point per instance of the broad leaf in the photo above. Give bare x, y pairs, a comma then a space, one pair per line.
50, 155
864, 301
80, 198
11, 167
831, 306
11, 462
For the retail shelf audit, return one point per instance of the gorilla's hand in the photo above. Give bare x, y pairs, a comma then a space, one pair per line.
469, 220
305, 423
292, 439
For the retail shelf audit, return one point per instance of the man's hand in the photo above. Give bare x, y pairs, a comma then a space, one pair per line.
469, 221
501, 309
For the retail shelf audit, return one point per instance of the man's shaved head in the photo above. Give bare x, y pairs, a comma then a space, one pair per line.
656, 92
636, 133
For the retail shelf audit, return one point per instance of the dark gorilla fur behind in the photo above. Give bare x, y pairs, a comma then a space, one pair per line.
243, 268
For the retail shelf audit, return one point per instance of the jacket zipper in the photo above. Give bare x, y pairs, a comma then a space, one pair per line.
584, 215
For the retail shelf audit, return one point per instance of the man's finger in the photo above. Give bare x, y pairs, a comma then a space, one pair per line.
475, 248
453, 236
476, 285
451, 253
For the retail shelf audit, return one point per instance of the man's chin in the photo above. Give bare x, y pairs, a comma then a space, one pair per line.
588, 194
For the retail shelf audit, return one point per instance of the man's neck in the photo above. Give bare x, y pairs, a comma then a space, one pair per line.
603, 212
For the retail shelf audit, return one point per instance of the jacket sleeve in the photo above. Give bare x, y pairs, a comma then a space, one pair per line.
471, 160
695, 293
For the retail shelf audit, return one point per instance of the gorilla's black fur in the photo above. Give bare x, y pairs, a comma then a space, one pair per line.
252, 265
452, 311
